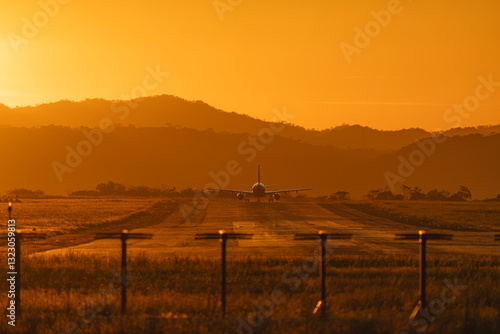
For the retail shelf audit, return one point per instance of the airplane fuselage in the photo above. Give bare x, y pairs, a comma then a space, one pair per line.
259, 190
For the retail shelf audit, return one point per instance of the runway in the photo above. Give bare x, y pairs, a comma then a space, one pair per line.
273, 226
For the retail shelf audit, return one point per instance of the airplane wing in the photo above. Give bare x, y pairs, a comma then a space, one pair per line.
232, 191
285, 191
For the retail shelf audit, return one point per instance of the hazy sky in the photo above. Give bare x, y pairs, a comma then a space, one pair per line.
260, 54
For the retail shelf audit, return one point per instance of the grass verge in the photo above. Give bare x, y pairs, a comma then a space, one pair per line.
366, 294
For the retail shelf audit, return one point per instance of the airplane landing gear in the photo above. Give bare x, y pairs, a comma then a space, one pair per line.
271, 199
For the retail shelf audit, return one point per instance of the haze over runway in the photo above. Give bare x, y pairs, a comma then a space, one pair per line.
274, 225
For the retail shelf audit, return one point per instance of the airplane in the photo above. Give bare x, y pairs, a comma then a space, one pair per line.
259, 190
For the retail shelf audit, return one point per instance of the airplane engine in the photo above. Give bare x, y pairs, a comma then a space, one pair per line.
240, 196
277, 196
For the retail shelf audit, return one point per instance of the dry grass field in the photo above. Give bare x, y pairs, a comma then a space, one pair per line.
66, 214
375, 294
466, 216
69, 222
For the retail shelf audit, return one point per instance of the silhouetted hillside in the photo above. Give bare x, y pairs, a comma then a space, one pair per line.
186, 157
166, 110
473, 161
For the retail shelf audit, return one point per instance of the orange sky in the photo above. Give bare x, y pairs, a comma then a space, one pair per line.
263, 54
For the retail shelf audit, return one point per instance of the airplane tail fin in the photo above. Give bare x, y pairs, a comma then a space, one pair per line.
258, 175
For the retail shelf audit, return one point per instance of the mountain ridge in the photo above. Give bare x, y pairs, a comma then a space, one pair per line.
172, 111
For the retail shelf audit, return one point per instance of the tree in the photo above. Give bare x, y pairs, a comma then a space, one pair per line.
496, 199
383, 194
84, 193
188, 192
333, 197
110, 188
343, 195
438, 195
406, 192
372, 194
26, 193
388, 195
416, 194
462, 194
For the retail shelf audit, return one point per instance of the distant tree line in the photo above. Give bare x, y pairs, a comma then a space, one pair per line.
337, 196
111, 188
495, 199
416, 194
14, 195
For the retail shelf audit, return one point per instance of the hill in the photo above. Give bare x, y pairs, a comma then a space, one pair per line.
171, 111
190, 158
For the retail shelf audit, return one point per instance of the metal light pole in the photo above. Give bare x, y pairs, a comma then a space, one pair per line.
17, 265
124, 270
124, 236
323, 274
323, 237
223, 272
422, 238
223, 237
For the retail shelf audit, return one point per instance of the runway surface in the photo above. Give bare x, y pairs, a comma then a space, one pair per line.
274, 225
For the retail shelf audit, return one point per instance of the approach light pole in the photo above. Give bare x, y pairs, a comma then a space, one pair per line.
223, 237
124, 236
14, 263
422, 238
323, 237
